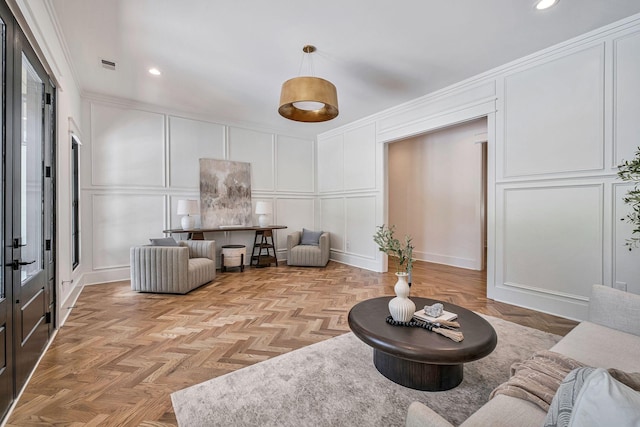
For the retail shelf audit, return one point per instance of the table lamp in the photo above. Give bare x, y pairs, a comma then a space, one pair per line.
188, 208
262, 210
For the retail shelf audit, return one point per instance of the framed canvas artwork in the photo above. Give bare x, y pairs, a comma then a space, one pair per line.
225, 193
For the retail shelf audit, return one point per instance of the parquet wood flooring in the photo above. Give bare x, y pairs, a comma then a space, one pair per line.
121, 354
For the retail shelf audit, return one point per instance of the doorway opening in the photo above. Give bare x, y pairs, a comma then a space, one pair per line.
437, 193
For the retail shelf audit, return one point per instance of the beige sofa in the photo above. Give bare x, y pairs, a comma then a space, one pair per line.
173, 269
609, 339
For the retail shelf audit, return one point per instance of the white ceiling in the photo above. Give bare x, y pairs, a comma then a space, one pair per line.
227, 59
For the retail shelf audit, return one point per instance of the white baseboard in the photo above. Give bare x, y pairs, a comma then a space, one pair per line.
468, 263
105, 276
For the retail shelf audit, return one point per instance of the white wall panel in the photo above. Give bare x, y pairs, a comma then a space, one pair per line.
127, 147
554, 115
553, 238
256, 148
627, 96
121, 221
333, 220
296, 214
295, 164
627, 263
361, 225
331, 164
190, 140
360, 158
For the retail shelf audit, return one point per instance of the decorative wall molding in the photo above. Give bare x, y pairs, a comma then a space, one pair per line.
586, 182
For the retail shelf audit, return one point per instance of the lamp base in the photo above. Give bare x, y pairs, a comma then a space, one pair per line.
263, 220
188, 222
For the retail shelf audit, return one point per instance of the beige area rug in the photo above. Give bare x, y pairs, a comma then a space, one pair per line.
334, 383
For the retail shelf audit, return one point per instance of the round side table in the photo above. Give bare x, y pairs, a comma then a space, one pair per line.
233, 256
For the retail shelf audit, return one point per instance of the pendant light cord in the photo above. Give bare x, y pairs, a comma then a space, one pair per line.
311, 69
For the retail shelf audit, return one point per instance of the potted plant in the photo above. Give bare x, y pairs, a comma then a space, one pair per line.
400, 307
629, 170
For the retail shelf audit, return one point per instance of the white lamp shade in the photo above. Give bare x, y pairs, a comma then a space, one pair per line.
263, 208
188, 207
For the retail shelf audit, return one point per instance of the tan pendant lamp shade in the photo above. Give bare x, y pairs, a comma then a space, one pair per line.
308, 99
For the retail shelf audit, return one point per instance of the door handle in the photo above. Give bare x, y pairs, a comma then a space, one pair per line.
17, 263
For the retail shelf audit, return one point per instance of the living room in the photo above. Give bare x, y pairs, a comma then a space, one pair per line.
558, 122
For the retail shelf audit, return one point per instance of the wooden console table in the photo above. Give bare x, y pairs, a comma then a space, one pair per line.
264, 247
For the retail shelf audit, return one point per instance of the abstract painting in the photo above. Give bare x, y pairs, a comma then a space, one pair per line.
225, 193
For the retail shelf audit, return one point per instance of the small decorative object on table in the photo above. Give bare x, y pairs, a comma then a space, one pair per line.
437, 327
400, 307
434, 310
437, 314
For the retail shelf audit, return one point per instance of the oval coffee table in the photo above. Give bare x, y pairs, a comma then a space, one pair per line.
415, 357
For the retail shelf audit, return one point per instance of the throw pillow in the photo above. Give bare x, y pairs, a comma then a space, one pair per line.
563, 401
163, 241
311, 238
592, 396
604, 401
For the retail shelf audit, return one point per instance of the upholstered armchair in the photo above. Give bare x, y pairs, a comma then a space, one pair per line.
173, 269
306, 250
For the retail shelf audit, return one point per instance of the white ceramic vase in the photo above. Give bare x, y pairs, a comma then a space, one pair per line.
401, 307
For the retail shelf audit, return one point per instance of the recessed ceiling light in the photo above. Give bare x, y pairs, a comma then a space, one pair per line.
545, 4
154, 71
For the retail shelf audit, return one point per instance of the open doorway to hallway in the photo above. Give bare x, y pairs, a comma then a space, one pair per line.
437, 187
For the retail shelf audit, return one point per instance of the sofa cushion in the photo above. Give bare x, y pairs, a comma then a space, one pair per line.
503, 411
201, 270
599, 346
310, 237
615, 309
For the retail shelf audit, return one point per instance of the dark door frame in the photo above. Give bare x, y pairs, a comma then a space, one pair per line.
18, 362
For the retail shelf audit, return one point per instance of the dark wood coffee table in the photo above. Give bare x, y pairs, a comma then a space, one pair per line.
415, 357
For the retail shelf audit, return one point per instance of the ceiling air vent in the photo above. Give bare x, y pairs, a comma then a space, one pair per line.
109, 65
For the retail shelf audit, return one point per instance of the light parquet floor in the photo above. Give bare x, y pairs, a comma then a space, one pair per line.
121, 354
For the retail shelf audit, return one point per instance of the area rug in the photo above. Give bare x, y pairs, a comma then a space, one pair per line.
334, 383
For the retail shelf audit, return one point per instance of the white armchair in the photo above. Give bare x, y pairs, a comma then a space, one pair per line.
308, 255
173, 269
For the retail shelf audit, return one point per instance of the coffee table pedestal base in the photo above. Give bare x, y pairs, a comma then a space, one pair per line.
416, 375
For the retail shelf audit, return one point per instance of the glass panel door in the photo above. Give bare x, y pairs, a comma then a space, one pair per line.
31, 281
31, 176
27, 276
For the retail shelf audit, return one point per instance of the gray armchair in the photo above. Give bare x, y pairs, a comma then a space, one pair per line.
308, 255
173, 269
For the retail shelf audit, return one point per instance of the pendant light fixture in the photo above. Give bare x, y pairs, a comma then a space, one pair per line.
308, 98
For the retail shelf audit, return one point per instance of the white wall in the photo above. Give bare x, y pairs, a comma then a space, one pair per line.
38, 22
559, 122
349, 174
139, 160
436, 195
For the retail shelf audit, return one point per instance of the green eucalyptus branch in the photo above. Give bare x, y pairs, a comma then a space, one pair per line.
629, 170
388, 244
